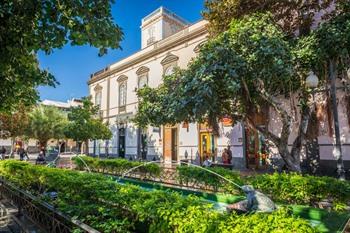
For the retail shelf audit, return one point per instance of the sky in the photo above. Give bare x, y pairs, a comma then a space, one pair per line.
72, 65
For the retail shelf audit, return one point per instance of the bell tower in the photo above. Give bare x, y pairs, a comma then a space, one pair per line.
160, 24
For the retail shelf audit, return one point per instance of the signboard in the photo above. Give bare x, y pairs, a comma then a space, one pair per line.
227, 121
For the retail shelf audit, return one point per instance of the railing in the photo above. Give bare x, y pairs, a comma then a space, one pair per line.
43, 215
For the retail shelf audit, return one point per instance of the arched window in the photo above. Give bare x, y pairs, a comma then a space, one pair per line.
122, 94
98, 95
169, 70
143, 80
142, 74
169, 63
98, 99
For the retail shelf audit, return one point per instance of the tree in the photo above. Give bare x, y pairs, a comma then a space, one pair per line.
14, 124
84, 125
292, 16
31, 26
235, 74
45, 123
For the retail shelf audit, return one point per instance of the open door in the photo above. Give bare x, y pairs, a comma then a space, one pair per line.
170, 144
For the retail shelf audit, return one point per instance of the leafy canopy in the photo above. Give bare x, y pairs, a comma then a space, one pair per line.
31, 26
292, 16
15, 123
45, 123
234, 74
83, 124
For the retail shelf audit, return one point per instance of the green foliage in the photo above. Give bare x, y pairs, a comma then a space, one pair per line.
109, 207
46, 122
299, 189
83, 124
284, 188
290, 15
116, 166
13, 124
205, 179
330, 41
227, 77
28, 27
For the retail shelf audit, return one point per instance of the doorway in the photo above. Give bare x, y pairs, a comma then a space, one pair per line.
121, 143
207, 145
170, 143
256, 150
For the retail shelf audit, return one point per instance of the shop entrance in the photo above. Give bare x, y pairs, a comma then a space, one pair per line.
170, 143
121, 143
256, 150
206, 142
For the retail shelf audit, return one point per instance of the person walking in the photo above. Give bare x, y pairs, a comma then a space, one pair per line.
3, 152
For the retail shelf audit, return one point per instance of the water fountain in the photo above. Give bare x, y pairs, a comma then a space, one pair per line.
79, 156
256, 201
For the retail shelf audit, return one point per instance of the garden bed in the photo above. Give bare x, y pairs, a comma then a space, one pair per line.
323, 220
101, 203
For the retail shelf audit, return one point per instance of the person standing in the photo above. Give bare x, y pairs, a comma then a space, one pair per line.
2, 152
224, 156
21, 152
229, 154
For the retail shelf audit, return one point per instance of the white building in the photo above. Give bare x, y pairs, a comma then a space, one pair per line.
168, 41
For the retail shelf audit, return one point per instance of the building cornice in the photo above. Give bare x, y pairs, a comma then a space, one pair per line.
158, 47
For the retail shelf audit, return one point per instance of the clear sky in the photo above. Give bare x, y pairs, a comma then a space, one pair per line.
72, 66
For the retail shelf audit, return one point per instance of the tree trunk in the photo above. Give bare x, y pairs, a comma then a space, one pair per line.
12, 146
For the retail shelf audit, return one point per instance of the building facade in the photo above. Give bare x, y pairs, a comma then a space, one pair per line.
168, 41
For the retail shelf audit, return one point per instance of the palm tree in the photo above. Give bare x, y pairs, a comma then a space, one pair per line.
45, 123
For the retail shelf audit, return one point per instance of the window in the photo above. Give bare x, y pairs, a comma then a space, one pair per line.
169, 70
143, 81
169, 63
122, 94
98, 99
142, 74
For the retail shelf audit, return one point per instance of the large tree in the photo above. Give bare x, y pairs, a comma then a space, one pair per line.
45, 123
30, 26
84, 124
14, 124
252, 65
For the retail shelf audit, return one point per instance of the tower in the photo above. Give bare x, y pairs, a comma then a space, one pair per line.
160, 24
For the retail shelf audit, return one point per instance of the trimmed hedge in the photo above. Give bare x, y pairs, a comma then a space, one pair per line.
199, 177
303, 189
115, 166
286, 188
100, 202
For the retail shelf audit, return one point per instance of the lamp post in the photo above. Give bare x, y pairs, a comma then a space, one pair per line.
312, 82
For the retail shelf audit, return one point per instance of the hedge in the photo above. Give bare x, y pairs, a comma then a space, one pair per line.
107, 206
286, 188
115, 166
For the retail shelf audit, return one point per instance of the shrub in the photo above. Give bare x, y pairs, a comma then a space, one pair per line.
100, 202
199, 177
302, 189
115, 166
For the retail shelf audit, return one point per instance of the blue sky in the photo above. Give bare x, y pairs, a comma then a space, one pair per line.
72, 66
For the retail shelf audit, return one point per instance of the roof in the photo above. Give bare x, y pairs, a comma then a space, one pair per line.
188, 33
59, 104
